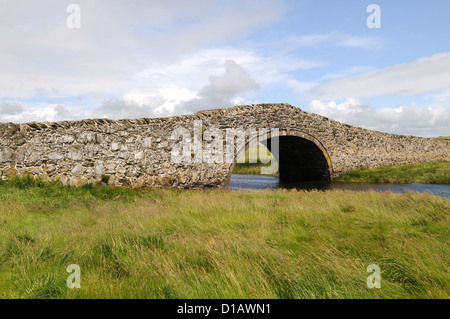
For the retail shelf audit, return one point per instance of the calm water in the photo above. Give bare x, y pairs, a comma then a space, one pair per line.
251, 182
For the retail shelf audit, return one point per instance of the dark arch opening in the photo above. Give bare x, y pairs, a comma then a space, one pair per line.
299, 159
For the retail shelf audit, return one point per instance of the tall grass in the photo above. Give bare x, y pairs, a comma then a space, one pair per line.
165, 243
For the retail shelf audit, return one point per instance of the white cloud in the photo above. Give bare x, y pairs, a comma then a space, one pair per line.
299, 87
10, 108
410, 119
143, 57
112, 108
424, 75
346, 72
40, 113
116, 41
220, 91
369, 43
121, 109
185, 80
442, 97
292, 43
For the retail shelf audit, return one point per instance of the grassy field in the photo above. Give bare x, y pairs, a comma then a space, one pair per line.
220, 244
424, 173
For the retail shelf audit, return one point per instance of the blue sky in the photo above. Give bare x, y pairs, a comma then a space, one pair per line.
161, 58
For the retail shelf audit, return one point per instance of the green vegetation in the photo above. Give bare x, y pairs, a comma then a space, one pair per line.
443, 138
425, 173
166, 243
253, 155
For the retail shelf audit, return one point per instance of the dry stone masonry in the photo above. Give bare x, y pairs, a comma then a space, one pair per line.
137, 152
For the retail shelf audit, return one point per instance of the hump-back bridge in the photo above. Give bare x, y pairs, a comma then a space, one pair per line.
138, 152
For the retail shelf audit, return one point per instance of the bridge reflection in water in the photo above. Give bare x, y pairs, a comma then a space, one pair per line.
254, 182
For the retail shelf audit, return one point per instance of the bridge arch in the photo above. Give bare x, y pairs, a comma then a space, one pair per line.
302, 157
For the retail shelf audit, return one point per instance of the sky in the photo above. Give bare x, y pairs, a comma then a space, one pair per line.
144, 58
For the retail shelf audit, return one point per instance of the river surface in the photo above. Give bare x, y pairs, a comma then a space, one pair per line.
252, 182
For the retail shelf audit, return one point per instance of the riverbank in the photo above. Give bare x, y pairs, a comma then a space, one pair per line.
424, 173
166, 243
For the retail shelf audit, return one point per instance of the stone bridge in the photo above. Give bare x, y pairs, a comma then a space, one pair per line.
138, 152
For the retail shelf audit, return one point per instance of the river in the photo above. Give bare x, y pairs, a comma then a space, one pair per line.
252, 182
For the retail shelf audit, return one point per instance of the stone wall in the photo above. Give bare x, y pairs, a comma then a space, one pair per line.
137, 152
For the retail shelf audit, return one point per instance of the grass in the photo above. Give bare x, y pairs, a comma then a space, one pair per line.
424, 173
166, 243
